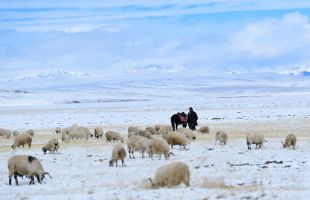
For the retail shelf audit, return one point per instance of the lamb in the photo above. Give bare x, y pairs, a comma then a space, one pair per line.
221, 136
290, 140
51, 146
30, 132
137, 143
112, 135
21, 140
5, 133
158, 146
177, 138
15, 133
98, 131
204, 129
170, 175
188, 133
255, 138
22, 165
118, 153
152, 130
57, 130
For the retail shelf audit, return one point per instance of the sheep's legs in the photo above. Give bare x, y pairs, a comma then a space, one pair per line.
16, 181
123, 163
10, 179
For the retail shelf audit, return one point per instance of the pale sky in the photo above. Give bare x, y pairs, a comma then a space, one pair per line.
109, 36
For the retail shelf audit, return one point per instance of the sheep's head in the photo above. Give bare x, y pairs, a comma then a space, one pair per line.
284, 145
42, 176
44, 150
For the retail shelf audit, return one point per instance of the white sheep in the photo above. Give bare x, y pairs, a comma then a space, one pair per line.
177, 138
163, 131
57, 130
290, 140
118, 153
21, 140
115, 136
15, 133
65, 135
5, 133
150, 129
132, 129
98, 132
204, 129
172, 174
30, 132
22, 165
255, 138
158, 146
221, 136
51, 146
137, 143
188, 133
76, 132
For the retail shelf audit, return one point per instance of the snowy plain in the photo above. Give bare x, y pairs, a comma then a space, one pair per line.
275, 106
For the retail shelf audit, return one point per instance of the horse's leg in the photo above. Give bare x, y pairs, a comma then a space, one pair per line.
172, 123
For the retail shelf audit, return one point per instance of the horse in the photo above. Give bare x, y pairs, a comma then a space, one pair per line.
178, 118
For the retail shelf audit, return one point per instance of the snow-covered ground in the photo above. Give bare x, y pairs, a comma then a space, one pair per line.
274, 105
80, 170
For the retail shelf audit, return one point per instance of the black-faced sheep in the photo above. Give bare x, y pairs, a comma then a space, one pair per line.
118, 153
290, 140
22, 140
51, 146
221, 136
172, 174
28, 166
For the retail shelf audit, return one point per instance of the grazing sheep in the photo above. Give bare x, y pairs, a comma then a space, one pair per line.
21, 140
30, 132
28, 166
152, 130
98, 131
118, 153
132, 129
177, 138
112, 135
136, 143
76, 132
157, 127
172, 174
188, 133
143, 133
163, 131
15, 133
158, 146
221, 136
57, 130
51, 146
255, 138
290, 140
5, 133
204, 129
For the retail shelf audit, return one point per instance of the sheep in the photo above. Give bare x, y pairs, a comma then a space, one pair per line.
163, 131
112, 135
15, 133
157, 127
158, 146
98, 132
22, 165
255, 138
65, 135
51, 146
22, 139
204, 129
118, 153
221, 136
136, 143
188, 133
30, 132
177, 138
132, 129
57, 130
152, 130
290, 140
76, 132
5, 133
172, 174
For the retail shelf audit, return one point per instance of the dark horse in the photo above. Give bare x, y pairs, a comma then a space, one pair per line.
179, 118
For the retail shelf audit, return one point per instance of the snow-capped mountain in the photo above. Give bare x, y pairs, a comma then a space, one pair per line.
157, 68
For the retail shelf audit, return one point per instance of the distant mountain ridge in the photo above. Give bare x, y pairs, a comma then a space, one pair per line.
157, 68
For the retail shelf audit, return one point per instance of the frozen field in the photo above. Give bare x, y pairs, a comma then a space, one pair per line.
80, 170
